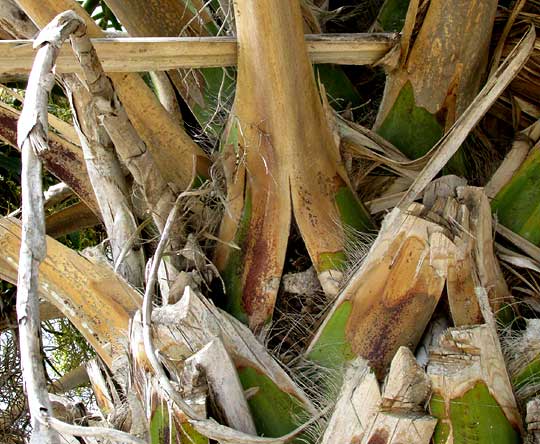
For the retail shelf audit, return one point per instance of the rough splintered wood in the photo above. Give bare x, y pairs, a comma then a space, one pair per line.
468, 232
91, 295
187, 326
472, 395
398, 428
390, 299
165, 53
401, 417
278, 405
464, 306
358, 402
487, 265
225, 390
466, 213
167, 94
407, 386
363, 416
167, 421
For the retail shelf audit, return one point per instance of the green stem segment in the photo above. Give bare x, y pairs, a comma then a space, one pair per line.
180, 432
438, 75
474, 417
517, 205
392, 15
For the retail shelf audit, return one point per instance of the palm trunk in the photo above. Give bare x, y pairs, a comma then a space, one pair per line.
188, 372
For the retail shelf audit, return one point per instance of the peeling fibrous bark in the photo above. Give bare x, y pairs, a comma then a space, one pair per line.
182, 333
130, 147
107, 178
32, 138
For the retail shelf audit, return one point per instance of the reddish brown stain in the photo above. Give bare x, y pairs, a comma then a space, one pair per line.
257, 251
62, 162
381, 345
387, 316
379, 437
262, 261
8, 128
